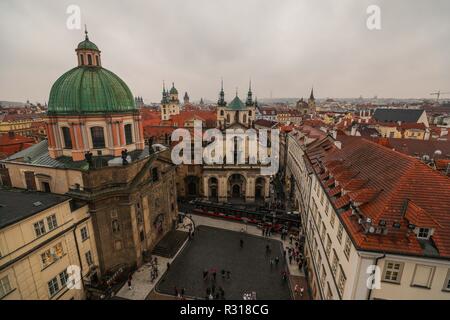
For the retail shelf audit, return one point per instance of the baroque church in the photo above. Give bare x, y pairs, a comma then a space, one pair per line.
226, 182
96, 154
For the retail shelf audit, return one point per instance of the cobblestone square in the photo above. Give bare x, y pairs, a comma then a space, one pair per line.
250, 267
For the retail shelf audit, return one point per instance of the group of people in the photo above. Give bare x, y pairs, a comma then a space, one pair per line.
295, 255
154, 272
180, 294
267, 231
213, 293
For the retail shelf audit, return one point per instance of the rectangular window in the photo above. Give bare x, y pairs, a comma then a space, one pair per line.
89, 259
328, 246
30, 180
98, 137
52, 255
63, 277
347, 247
46, 187
324, 229
424, 233
5, 287
329, 292
335, 263
39, 228
393, 271
423, 276
67, 138
447, 282
323, 276
340, 231
51, 222
84, 234
342, 280
128, 134
332, 220
53, 287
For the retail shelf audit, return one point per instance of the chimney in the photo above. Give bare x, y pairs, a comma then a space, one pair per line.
427, 134
334, 134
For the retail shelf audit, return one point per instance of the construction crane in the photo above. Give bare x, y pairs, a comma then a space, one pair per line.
438, 94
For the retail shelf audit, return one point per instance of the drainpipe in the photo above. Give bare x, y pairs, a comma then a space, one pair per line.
376, 264
78, 253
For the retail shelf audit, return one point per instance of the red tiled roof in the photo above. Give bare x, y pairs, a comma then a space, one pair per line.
419, 217
392, 180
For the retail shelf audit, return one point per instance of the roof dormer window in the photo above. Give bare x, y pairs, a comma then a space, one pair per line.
424, 233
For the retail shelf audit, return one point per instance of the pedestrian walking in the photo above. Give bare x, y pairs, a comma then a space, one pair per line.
168, 265
183, 291
223, 274
228, 274
301, 291
241, 243
290, 259
277, 260
284, 254
176, 292
205, 274
290, 238
129, 281
296, 289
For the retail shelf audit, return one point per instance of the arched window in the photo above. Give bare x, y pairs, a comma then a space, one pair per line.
96, 60
89, 59
221, 112
128, 134
67, 138
98, 137
245, 118
250, 113
82, 59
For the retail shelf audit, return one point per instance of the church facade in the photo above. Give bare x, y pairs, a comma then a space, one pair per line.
228, 181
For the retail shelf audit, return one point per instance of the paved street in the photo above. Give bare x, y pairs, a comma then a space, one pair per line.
208, 247
220, 249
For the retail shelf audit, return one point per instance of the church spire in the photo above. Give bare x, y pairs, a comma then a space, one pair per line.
311, 97
249, 101
221, 102
86, 32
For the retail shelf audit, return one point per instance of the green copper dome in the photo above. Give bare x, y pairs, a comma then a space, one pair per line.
173, 90
236, 104
90, 90
87, 45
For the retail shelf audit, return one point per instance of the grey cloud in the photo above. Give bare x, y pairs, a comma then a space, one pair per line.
284, 46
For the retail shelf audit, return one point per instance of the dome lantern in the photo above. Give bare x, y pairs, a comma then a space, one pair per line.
88, 53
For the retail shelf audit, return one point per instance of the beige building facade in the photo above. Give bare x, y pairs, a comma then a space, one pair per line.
47, 254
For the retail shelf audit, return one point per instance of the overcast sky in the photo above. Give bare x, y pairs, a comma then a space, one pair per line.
285, 46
